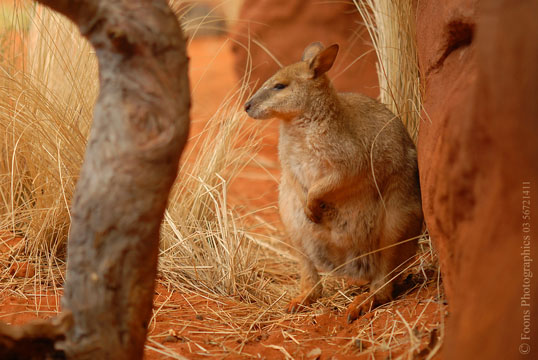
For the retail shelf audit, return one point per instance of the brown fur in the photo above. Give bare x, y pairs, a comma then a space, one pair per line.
339, 152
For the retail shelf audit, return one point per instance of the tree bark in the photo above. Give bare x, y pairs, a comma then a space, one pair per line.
140, 126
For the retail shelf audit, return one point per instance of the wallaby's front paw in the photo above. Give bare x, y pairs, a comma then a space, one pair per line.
314, 216
298, 303
360, 305
314, 210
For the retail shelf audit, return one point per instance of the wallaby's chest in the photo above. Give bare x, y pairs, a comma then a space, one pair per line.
307, 171
305, 155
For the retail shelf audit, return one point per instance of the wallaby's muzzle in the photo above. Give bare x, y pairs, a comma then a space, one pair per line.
247, 106
250, 109
256, 108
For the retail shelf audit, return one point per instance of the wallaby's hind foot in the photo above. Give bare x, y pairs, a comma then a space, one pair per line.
362, 304
300, 302
311, 287
379, 294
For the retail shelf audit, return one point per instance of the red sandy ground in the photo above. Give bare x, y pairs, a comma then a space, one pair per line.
197, 337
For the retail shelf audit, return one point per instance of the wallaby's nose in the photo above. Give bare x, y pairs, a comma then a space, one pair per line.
247, 106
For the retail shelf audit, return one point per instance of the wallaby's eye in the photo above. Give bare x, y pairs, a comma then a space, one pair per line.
279, 86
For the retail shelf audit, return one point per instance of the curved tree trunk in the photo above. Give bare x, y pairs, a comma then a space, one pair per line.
139, 129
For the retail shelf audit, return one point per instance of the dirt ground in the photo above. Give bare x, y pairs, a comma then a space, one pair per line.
190, 324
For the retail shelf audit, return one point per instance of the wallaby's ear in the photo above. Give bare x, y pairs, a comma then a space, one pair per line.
324, 60
312, 50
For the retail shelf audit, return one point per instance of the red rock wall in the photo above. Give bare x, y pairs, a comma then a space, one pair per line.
479, 60
286, 27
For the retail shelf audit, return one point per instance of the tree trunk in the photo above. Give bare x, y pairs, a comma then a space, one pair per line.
140, 126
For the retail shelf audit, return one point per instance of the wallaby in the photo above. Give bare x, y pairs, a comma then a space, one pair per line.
349, 193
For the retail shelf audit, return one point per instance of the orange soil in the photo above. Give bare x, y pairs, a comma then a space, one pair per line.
197, 337
212, 78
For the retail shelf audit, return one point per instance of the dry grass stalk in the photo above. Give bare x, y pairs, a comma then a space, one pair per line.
391, 25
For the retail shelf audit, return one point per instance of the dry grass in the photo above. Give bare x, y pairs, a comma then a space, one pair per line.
403, 327
46, 98
391, 25
205, 245
47, 92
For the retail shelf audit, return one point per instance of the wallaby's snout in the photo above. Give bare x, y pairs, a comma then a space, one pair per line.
270, 100
247, 106
253, 110
289, 91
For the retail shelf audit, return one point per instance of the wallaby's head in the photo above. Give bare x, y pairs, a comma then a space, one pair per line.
290, 91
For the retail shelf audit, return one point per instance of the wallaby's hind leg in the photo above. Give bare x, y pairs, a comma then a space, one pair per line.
311, 287
382, 287
396, 257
